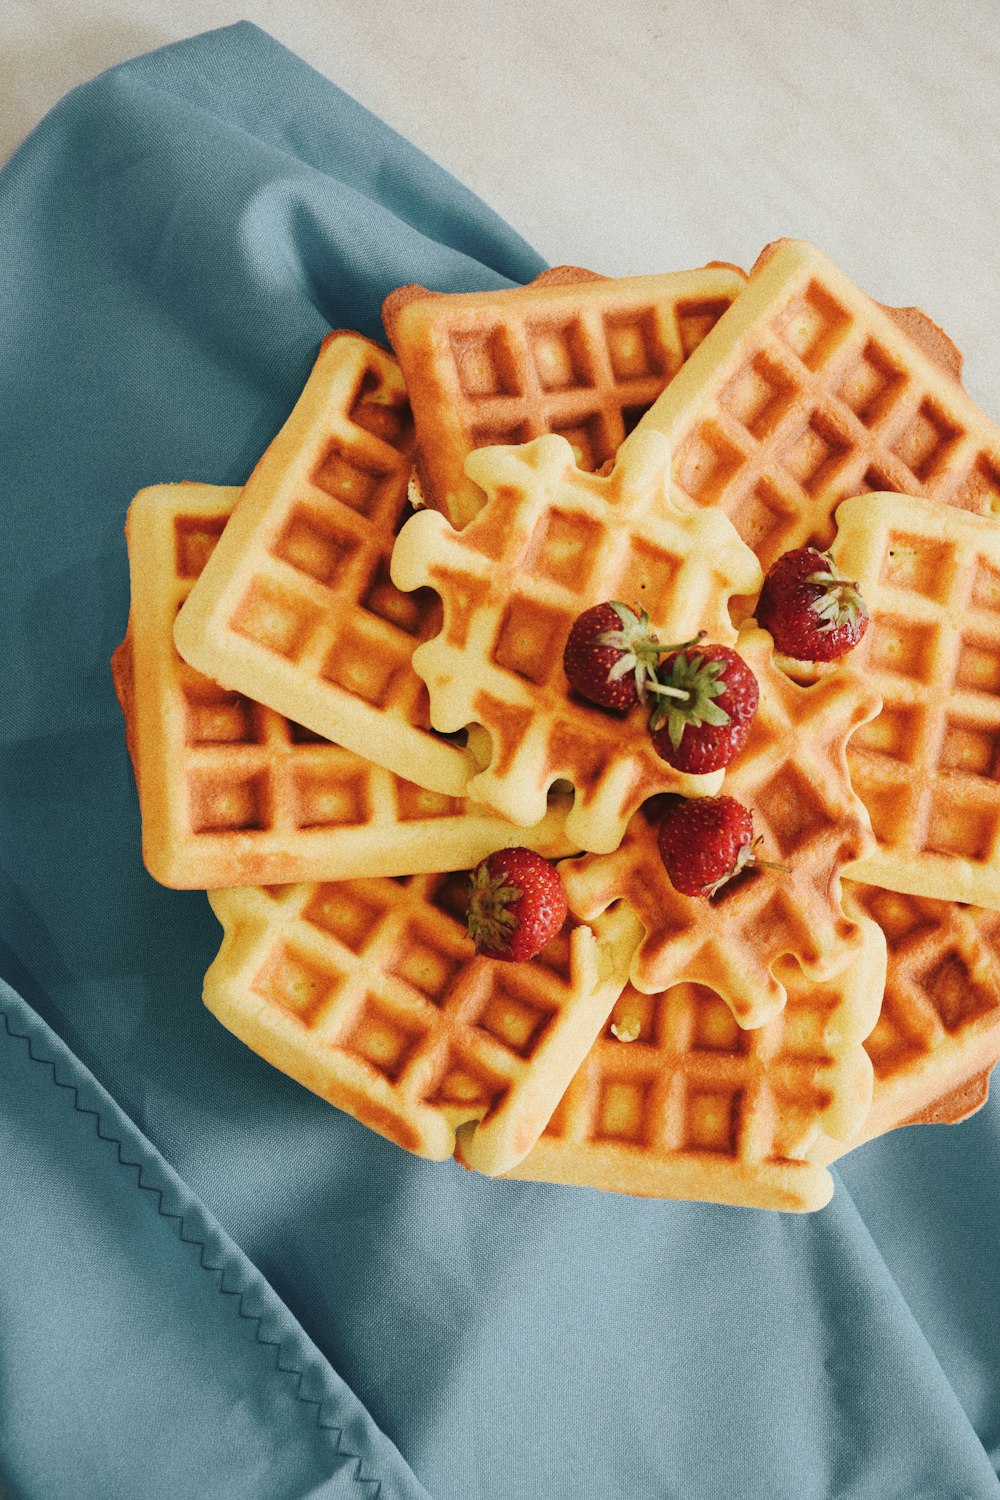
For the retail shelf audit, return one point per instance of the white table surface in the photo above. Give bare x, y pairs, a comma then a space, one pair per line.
648, 135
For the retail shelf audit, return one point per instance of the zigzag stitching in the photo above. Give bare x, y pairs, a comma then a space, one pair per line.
206, 1265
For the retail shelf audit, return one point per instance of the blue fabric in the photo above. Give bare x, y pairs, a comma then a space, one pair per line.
210, 1282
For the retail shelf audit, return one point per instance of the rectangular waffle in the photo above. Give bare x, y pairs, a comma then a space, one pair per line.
675, 1100
295, 608
233, 793
938, 1034
927, 767
806, 392
367, 992
571, 352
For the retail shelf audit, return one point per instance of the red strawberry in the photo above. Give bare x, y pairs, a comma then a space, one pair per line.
517, 904
705, 841
611, 655
812, 613
706, 698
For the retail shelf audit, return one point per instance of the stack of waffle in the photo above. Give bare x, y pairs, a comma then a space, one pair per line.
343, 687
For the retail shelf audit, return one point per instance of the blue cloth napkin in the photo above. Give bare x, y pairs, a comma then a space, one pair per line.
212, 1284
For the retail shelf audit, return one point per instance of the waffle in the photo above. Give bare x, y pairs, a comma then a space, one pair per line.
938, 1035
692, 1106
295, 608
792, 775
552, 541
572, 353
927, 767
367, 992
231, 792
807, 392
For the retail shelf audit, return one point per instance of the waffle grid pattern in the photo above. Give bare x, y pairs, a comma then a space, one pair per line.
572, 354
245, 796
938, 1032
552, 541
368, 992
928, 767
792, 775
297, 607
694, 1106
808, 392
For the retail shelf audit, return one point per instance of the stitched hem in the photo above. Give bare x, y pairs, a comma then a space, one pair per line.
232, 1260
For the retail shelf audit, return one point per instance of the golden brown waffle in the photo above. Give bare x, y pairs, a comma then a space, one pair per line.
295, 608
927, 767
692, 1106
792, 775
233, 793
367, 992
807, 392
938, 1034
572, 353
552, 541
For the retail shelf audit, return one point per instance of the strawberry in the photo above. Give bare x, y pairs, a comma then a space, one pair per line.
705, 841
611, 655
706, 698
516, 905
812, 613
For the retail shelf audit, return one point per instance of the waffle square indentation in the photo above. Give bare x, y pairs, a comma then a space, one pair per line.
812, 325
194, 542
712, 1119
960, 828
758, 395
919, 565
763, 517
971, 747
980, 490
423, 963
215, 717
384, 416
381, 1038
871, 384
955, 992
895, 732
275, 619
589, 439
347, 914
648, 575
696, 319
813, 456
623, 1108
788, 801
328, 800
986, 587
561, 355
562, 549
364, 666
903, 647
715, 1029
705, 464
979, 665
889, 1045
466, 1084
513, 1019
924, 442
311, 546
224, 802
483, 363
531, 639
633, 345
408, 612
295, 982
341, 477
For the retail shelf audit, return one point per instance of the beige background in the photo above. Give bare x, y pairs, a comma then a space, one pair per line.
648, 135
